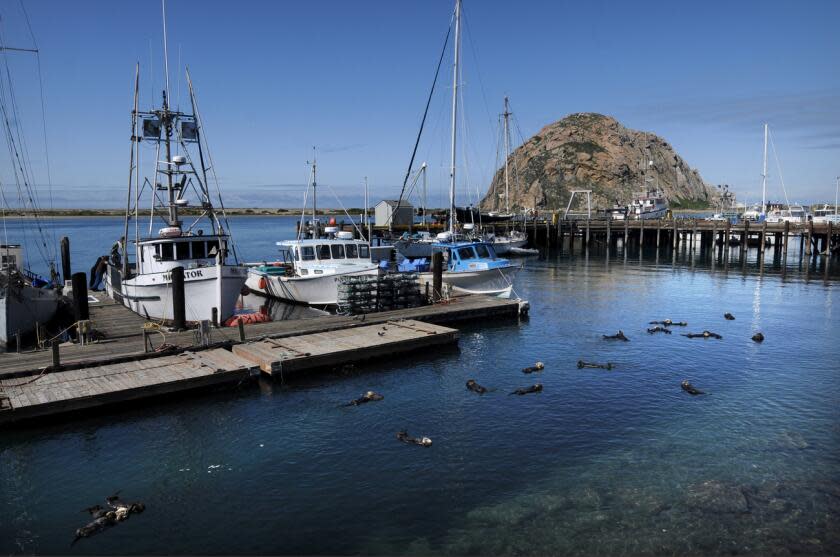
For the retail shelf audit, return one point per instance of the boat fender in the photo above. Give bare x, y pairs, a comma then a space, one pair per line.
262, 283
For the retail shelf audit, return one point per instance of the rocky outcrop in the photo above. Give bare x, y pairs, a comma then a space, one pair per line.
590, 151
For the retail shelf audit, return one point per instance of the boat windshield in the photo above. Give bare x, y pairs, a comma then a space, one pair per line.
483, 251
352, 252
286, 254
466, 252
364, 251
324, 251
307, 253
337, 251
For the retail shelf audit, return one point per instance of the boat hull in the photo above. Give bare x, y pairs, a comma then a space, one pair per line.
21, 308
319, 290
205, 288
491, 282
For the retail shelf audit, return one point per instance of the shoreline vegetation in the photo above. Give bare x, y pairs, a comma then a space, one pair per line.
238, 212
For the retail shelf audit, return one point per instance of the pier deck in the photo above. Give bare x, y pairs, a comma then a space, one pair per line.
49, 394
123, 331
295, 353
119, 368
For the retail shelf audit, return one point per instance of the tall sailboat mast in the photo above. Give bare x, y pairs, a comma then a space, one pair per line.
166, 120
454, 116
314, 187
764, 175
506, 115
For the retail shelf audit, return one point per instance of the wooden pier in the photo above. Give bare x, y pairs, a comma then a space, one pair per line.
814, 239
125, 365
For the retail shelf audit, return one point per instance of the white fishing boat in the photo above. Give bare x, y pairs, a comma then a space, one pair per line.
25, 300
309, 271
213, 279
793, 214
649, 204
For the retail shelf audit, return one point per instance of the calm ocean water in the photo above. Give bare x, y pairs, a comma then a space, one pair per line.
600, 462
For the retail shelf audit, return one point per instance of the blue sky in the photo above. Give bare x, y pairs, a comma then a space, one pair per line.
275, 78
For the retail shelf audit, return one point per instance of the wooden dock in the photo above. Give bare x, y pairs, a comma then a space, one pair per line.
123, 331
117, 368
291, 354
49, 394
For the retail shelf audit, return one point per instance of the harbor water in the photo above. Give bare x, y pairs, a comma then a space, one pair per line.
619, 461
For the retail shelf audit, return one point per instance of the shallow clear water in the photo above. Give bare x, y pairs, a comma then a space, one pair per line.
614, 462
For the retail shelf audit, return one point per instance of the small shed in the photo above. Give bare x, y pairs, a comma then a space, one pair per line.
387, 207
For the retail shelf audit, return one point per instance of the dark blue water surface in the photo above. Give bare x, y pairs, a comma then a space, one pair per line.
608, 462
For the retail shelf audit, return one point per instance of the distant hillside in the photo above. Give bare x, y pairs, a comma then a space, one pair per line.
590, 151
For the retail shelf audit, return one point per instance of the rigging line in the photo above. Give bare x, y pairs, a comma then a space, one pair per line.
43, 105
203, 135
779, 167
14, 153
423, 121
468, 35
345, 210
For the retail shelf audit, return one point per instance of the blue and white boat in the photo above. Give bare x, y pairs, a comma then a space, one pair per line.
474, 268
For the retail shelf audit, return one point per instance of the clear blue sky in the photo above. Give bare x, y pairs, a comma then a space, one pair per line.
275, 78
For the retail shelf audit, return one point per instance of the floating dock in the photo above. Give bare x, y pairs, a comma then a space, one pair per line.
120, 367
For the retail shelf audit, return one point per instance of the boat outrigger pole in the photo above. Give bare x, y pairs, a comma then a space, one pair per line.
135, 142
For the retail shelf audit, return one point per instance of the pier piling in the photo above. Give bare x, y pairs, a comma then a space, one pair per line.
65, 258
437, 275
179, 307
80, 297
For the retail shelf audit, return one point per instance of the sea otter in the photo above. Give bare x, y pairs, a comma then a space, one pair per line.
539, 366
704, 334
690, 389
475, 387
525, 390
406, 438
367, 397
617, 336
659, 329
581, 364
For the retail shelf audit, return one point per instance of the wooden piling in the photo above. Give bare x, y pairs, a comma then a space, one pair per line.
437, 275
809, 239
762, 240
80, 297
641, 235
827, 250
626, 234
56, 358
658, 231
785, 243
676, 236
726, 238
609, 225
65, 259
179, 306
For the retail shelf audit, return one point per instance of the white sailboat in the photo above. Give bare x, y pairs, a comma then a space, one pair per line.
514, 238
213, 279
757, 213
471, 266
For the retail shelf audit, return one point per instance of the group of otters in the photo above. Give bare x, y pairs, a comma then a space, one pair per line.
118, 510
662, 327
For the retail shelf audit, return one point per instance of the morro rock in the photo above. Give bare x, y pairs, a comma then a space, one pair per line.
590, 151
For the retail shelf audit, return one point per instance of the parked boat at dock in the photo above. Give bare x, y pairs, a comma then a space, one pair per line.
308, 271
25, 300
649, 204
474, 268
213, 278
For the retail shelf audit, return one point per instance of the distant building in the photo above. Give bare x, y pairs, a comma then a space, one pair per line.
385, 208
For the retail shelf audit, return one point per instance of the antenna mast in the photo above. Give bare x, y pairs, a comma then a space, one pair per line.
454, 116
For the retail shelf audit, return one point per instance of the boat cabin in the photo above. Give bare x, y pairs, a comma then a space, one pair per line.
11, 256
469, 256
159, 255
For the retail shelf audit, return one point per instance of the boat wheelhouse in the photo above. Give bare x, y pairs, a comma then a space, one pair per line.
793, 214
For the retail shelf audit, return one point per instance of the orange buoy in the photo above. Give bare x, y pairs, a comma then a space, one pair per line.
262, 283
